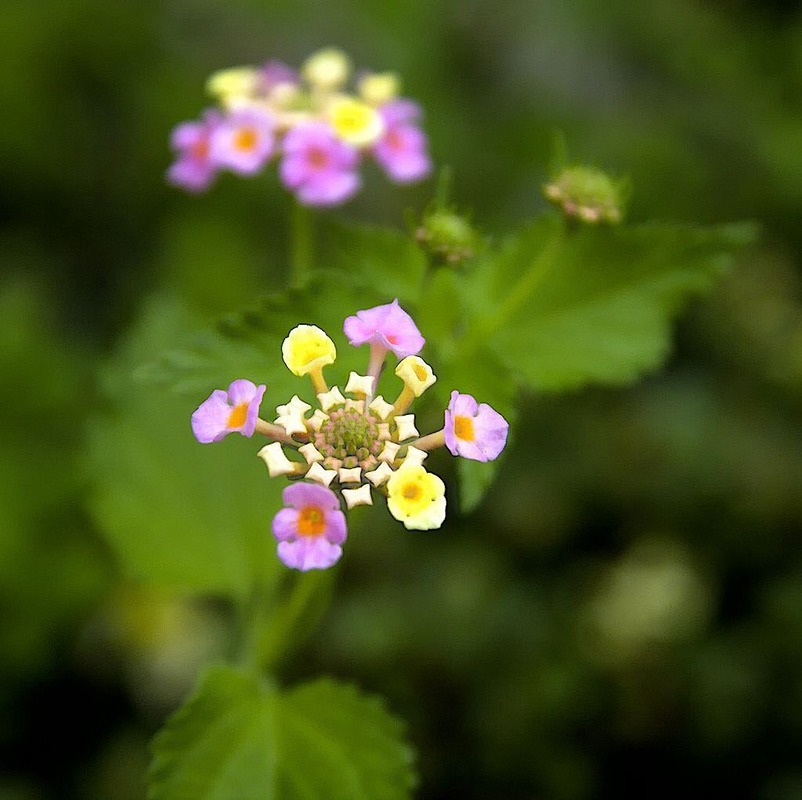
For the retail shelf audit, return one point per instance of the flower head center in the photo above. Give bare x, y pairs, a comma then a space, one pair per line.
238, 415
349, 434
463, 428
311, 521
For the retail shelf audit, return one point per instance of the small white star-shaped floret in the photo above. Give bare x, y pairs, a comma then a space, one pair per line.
389, 452
350, 475
292, 422
380, 407
296, 405
310, 453
319, 475
405, 427
379, 475
358, 497
316, 420
355, 405
277, 462
413, 456
384, 431
359, 384
331, 399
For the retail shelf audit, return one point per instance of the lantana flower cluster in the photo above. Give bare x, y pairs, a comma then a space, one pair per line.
356, 445
307, 119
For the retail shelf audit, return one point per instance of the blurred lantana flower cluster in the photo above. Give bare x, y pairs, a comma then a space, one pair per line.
318, 129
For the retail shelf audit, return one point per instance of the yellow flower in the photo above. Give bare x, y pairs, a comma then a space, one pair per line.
233, 87
416, 498
416, 374
355, 122
307, 349
327, 68
379, 87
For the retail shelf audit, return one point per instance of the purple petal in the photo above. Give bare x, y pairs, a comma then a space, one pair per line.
402, 154
329, 189
489, 429
210, 418
388, 325
309, 553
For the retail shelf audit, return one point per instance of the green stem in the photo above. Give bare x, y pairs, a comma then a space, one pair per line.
301, 245
275, 624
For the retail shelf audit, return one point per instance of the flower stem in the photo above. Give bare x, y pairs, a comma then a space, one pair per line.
275, 432
431, 441
278, 629
301, 245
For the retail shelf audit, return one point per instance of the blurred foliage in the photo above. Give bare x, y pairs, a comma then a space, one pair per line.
621, 615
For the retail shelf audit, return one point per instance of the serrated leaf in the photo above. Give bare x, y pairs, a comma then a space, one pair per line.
248, 343
176, 512
340, 745
594, 305
220, 745
239, 738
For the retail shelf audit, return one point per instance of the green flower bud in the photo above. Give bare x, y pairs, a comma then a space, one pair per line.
588, 194
449, 237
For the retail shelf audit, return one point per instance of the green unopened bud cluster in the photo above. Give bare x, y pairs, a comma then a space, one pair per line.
448, 236
588, 194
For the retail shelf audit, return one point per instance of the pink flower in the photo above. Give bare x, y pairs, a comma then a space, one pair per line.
388, 327
474, 431
243, 141
402, 150
317, 166
193, 169
226, 412
311, 528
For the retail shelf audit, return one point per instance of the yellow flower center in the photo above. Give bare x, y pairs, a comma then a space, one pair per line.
463, 428
236, 418
420, 372
245, 139
356, 123
311, 521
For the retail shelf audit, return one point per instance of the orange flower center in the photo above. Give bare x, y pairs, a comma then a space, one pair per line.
317, 158
411, 491
200, 150
463, 428
245, 139
311, 521
238, 416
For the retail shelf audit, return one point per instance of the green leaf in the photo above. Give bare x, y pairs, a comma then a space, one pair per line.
237, 737
340, 745
595, 304
388, 261
176, 512
220, 745
248, 343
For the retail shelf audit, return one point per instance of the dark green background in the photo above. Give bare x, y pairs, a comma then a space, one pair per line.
622, 617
